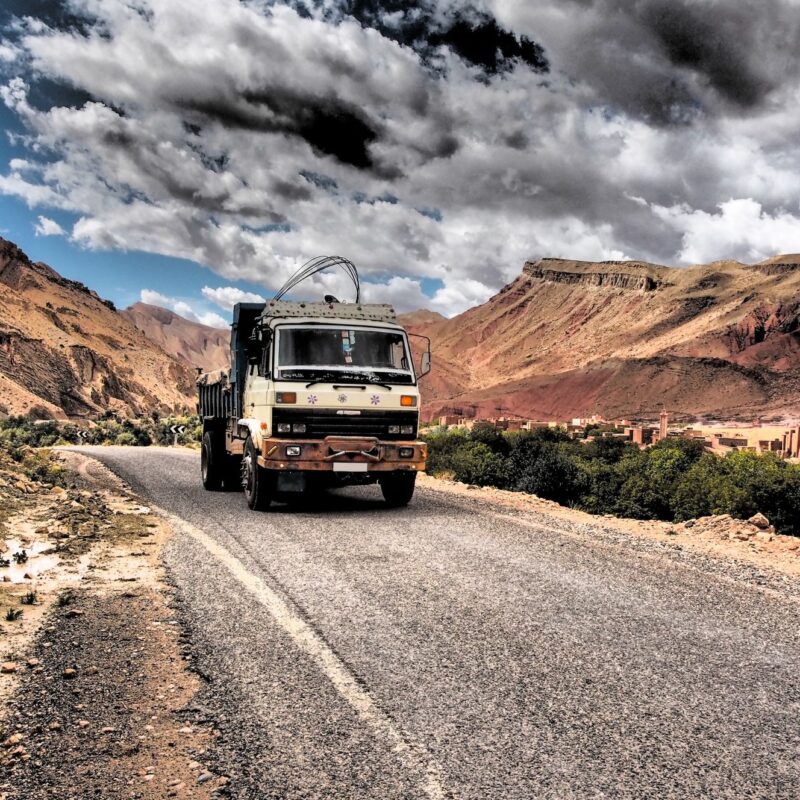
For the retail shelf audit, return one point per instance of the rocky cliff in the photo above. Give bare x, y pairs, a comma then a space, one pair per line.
64, 351
570, 338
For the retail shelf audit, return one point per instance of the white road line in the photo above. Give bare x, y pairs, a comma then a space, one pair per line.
411, 752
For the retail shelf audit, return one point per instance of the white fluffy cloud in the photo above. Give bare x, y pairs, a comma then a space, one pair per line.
249, 138
48, 227
182, 308
228, 296
739, 229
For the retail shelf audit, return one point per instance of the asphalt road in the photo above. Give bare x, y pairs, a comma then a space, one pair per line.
453, 649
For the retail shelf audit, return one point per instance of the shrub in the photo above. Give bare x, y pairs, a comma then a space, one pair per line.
541, 467
42, 466
674, 480
441, 447
474, 462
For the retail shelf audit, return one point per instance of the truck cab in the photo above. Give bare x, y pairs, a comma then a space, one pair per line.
318, 394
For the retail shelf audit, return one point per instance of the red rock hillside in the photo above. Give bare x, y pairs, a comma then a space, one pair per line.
570, 338
65, 352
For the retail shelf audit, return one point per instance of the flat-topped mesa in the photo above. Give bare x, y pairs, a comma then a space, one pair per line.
631, 275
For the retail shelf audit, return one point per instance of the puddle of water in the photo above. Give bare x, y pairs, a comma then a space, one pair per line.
36, 564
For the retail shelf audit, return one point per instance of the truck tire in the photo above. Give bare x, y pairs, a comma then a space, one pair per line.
212, 462
258, 483
398, 488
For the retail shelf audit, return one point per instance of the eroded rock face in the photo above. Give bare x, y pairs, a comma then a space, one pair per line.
636, 276
60, 343
765, 320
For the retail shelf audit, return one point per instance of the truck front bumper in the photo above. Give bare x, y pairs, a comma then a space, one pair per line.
343, 454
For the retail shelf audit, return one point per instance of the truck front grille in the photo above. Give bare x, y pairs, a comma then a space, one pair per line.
322, 422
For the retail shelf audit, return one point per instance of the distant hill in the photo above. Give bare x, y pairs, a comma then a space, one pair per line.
571, 338
64, 351
198, 345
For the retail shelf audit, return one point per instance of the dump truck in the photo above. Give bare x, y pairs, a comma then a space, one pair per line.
318, 394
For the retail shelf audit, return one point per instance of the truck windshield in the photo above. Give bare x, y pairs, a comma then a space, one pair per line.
348, 355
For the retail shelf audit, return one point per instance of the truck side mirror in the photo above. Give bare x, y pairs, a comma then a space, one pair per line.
425, 364
425, 360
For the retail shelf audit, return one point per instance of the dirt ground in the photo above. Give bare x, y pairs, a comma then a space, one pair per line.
96, 683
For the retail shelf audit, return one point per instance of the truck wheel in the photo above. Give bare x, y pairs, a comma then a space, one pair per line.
211, 463
398, 488
258, 483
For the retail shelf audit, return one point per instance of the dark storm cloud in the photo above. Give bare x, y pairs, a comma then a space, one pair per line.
671, 61
709, 41
329, 127
472, 33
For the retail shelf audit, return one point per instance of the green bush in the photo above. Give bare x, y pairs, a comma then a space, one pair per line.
43, 467
538, 465
17, 432
674, 480
474, 462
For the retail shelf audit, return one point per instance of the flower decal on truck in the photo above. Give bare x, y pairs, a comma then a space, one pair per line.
375, 399
312, 399
342, 398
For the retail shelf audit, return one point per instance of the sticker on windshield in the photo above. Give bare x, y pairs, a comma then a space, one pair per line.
348, 341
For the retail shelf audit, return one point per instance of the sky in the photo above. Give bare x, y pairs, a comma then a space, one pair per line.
195, 154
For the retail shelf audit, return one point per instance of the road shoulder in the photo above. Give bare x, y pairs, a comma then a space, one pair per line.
97, 686
716, 544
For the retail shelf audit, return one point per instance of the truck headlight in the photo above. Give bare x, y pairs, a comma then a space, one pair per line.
299, 427
394, 429
407, 429
283, 427
406, 452
293, 451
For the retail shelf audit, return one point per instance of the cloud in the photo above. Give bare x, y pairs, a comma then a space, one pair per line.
48, 227
440, 143
739, 230
153, 298
228, 296
470, 32
182, 308
667, 61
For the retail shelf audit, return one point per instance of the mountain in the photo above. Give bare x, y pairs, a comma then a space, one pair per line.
571, 338
566, 338
198, 345
65, 352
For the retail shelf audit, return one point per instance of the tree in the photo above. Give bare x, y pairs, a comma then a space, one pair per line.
607, 449
541, 467
492, 438
707, 488
474, 462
